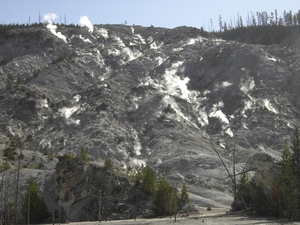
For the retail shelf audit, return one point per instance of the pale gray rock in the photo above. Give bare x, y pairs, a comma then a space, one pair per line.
152, 96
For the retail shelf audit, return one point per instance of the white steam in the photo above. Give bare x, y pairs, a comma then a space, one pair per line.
84, 21
49, 18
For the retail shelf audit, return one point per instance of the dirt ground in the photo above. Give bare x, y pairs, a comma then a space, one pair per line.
215, 217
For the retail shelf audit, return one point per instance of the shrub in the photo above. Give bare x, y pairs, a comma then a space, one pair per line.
5, 166
9, 152
70, 158
83, 156
36, 72
109, 165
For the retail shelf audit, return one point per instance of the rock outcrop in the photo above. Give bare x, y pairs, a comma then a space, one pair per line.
80, 191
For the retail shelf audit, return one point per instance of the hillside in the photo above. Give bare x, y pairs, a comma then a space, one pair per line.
146, 95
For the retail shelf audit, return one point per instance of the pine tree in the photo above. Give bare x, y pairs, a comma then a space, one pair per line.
83, 156
184, 196
34, 208
244, 188
295, 147
289, 188
274, 197
147, 180
260, 200
108, 164
162, 197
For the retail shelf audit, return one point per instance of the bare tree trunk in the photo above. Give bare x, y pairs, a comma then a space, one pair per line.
28, 211
18, 177
2, 196
234, 176
231, 177
6, 200
99, 212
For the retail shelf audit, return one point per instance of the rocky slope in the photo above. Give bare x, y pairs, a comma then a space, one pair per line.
151, 96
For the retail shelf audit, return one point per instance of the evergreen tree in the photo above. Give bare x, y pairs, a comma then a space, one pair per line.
162, 197
83, 156
109, 165
274, 199
295, 147
184, 196
260, 200
32, 205
244, 188
131, 174
289, 188
147, 179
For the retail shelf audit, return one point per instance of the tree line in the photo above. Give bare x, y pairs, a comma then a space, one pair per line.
262, 19
259, 27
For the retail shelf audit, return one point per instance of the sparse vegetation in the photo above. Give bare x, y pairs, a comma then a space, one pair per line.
8, 83
49, 154
83, 156
41, 163
36, 72
18, 82
5, 166
10, 151
108, 165
70, 158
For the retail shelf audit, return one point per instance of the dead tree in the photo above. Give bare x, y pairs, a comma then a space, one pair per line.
232, 177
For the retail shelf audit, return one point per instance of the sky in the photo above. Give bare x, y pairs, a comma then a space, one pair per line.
159, 13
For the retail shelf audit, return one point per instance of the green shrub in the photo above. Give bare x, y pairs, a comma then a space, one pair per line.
5, 166
70, 158
41, 163
10, 151
109, 165
36, 72
83, 156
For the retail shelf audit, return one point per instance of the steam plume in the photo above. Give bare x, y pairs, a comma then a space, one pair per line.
49, 18
84, 21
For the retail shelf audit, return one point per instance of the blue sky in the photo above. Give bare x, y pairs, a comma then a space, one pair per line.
159, 13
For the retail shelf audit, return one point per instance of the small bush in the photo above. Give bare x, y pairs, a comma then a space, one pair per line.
22, 155
70, 158
36, 72
41, 163
5, 166
109, 165
31, 166
8, 83
9, 152
208, 208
